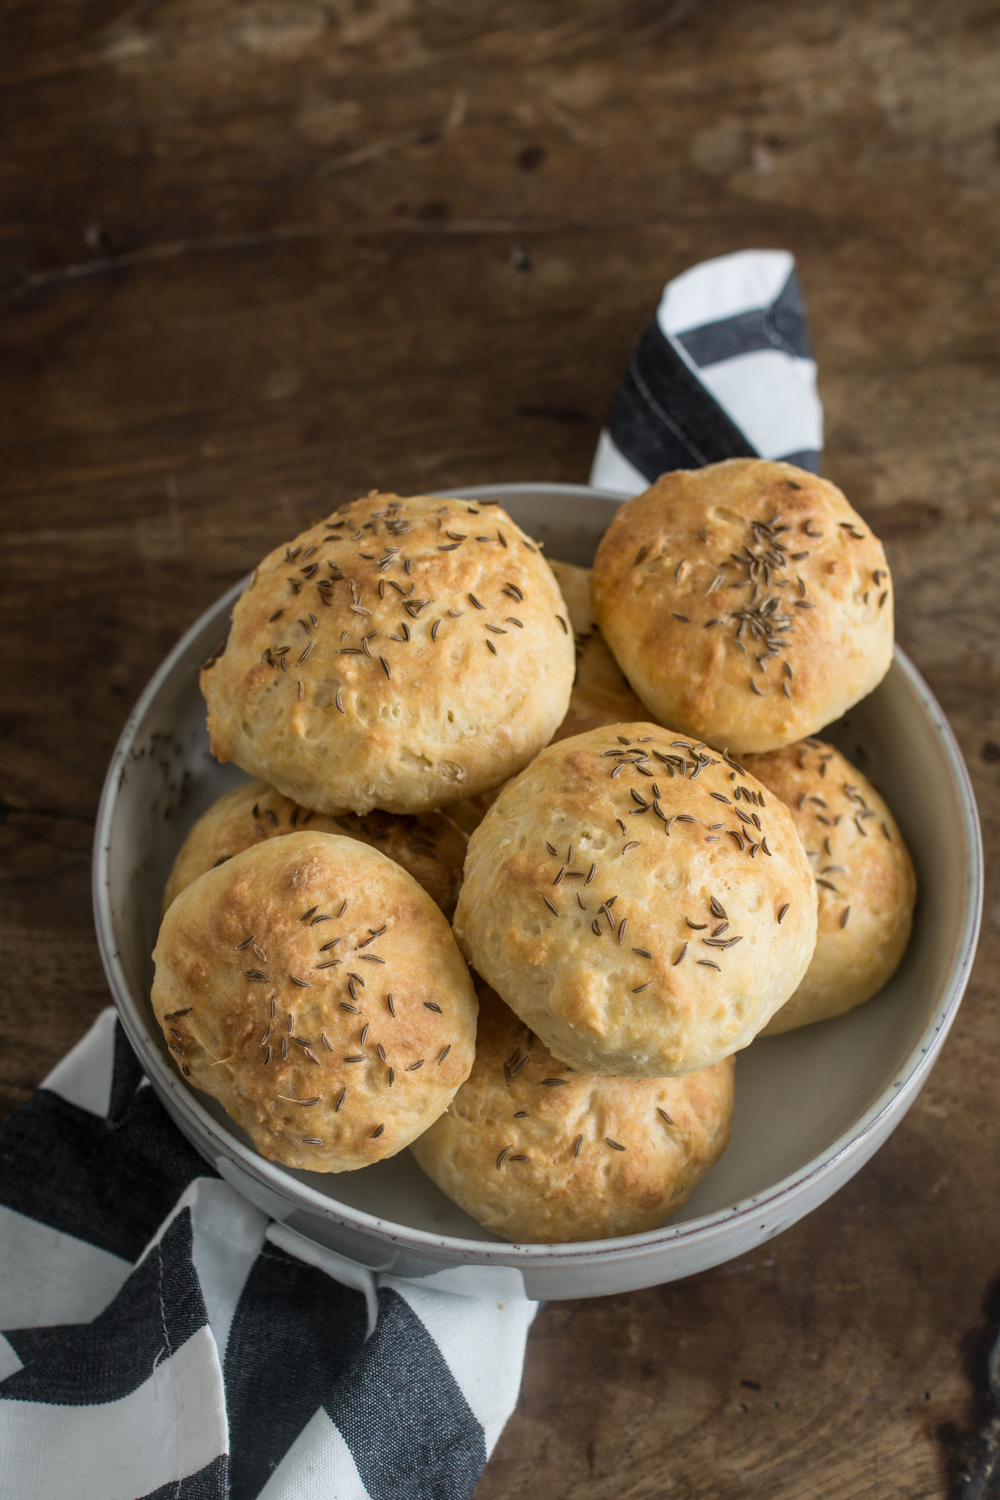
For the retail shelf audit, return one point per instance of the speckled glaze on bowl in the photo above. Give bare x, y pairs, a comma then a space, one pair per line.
811, 1106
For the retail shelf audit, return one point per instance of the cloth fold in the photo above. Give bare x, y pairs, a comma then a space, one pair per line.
160, 1336
723, 370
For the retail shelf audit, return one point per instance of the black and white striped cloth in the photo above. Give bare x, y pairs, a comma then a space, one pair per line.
724, 370
163, 1338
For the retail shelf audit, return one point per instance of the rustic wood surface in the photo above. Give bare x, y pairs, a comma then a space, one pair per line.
261, 255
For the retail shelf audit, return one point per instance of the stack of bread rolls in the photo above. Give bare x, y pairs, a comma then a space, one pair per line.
596, 800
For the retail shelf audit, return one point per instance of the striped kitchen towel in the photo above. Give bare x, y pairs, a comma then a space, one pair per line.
163, 1338
724, 370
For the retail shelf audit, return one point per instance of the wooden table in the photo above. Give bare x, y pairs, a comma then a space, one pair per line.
259, 257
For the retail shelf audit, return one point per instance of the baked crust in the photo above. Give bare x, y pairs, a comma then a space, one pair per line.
747, 602
398, 655
431, 847
864, 876
643, 923
543, 1155
305, 1050
601, 694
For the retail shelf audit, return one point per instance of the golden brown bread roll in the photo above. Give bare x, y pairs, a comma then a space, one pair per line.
312, 988
544, 1155
642, 904
601, 695
864, 875
746, 602
398, 655
431, 847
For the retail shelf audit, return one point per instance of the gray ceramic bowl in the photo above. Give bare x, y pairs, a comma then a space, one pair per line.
811, 1106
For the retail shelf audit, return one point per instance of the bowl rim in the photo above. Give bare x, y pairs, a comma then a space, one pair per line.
894, 1098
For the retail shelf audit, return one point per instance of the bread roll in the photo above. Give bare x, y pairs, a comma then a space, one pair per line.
601, 695
747, 602
640, 903
864, 876
399, 655
544, 1155
313, 989
431, 847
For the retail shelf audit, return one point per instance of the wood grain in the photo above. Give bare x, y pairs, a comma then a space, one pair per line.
258, 257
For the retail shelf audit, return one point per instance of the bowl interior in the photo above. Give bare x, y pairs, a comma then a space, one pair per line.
795, 1094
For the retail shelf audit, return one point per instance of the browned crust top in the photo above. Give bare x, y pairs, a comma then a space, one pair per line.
316, 991
747, 601
397, 628
641, 891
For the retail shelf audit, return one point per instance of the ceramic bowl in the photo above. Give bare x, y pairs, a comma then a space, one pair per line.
811, 1105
